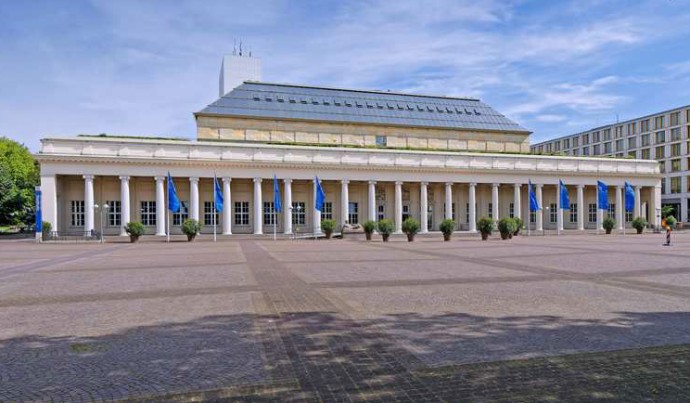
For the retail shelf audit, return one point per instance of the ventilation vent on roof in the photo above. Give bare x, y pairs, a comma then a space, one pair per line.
378, 105
438, 108
336, 102
269, 99
302, 101
348, 103
369, 105
280, 99
449, 110
359, 104
257, 98
326, 102
390, 106
315, 101
293, 100
476, 112
467, 112
429, 108
420, 108
458, 111
401, 107
410, 107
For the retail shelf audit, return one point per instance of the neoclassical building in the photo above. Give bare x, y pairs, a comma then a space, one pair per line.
377, 154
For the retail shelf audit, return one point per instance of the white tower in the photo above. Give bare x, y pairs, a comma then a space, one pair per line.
237, 68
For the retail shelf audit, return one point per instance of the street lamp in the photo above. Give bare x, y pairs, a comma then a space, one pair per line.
102, 209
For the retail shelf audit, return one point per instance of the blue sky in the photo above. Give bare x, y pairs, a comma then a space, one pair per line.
143, 67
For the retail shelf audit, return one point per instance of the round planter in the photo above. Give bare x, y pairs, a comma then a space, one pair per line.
328, 235
190, 238
639, 230
368, 235
410, 237
133, 238
446, 237
485, 236
504, 236
608, 232
385, 237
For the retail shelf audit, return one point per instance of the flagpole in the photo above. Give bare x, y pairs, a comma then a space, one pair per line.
168, 223
214, 220
602, 214
275, 221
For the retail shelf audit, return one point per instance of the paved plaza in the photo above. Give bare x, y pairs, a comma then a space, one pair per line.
572, 317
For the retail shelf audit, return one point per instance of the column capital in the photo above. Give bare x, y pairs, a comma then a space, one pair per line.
517, 185
619, 187
345, 181
398, 183
159, 178
495, 185
424, 183
580, 186
227, 179
472, 184
287, 180
449, 183
124, 178
538, 185
194, 179
372, 182
88, 177
258, 180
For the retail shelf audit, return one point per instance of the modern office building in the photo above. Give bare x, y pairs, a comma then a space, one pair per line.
662, 137
378, 155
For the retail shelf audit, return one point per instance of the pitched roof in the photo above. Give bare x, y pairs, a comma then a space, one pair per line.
283, 101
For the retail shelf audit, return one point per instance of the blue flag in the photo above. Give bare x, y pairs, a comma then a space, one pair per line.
173, 200
217, 195
320, 195
629, 197
565, 199
533, 203
603, 195
276, 195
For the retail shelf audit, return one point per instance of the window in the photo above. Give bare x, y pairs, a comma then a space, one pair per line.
607, 148
596, 137
659, 152
353, 213
675, 118
576, 151
467, 213
687, 115
644, 126
573, 212
210, 213
381, 141
511, 213
405, 212
645, 154
644, 140
148, 213
553, 212
114, 218
662, 167
620, 155
592, 212
269, 214
675, 150
242, 213
663, 186
380, 212
675, 184
632, 154
576, 141
585, 151
619, 131
597, 149
628, 216
183, 214
619, 145
659, 122
533, 217
299, 216
491, 210
660, 137
632, 128
611, 212
429, 216
557, 146
77, 212
327, 211
607, 134
585, 139
675, 134
632, 142
566, 143
452, 213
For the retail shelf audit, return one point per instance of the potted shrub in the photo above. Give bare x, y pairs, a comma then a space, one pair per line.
369, 228
485, 226
191, 228
447, 226
328, 226
671, 222
639, 224
518, 225
608, 224
410, 227
134, 229
46, 228
507, 227
385, 227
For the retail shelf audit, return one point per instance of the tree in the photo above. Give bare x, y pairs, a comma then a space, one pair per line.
19, 175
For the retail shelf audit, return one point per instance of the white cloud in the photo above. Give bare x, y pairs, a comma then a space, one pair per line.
551, 118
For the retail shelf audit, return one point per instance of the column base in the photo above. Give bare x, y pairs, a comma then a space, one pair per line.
258, 233
161, 234
227, 233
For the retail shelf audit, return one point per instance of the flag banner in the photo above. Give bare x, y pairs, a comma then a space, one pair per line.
217, 195
320, 195
565, 198
39, 210
629, 197
603, 195
533, 203
276, 196
173, 200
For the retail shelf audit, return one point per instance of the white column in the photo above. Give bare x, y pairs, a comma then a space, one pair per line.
449, 201
656, 208
539, 213
581, 207
287, 206
517, 205
398, 207
637, 211
88, 203
194, 198
344, 201
49, 200
124, 204
619, 207
227, 208
372, 200
559, 210
316, 219
473, 207
494, 201
161, 206
258, 208
424, 207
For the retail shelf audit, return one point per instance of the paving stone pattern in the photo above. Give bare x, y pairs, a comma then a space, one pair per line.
570, 318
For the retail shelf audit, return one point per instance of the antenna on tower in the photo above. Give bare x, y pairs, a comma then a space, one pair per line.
250, 51
234, 47
240, 47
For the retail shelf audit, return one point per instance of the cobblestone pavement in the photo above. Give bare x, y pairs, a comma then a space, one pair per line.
576, 318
